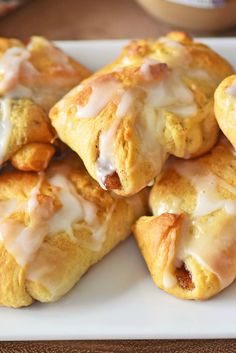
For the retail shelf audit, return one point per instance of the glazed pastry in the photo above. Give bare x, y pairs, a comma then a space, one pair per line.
189, 244
155, 99
32, 78
37, 70
54, 226
225, 108
23, 123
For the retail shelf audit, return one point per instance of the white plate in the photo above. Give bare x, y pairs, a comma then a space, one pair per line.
117, 299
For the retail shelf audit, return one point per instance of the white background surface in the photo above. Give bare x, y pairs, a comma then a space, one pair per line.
117, 298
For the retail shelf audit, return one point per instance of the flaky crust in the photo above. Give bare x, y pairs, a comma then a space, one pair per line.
61, 258
49, 72
34, 75
154, 236
34, 157
225, 108
29, 124
165, 238
144, 136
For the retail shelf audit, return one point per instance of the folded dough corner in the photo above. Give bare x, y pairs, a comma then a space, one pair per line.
189, 243
155, 100
33, 76
54, 226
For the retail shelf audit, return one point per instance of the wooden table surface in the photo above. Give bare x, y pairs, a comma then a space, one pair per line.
96, 19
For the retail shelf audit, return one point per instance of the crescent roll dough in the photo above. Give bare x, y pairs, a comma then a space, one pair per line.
54, 226
155, 99
189, 244
32, 78
225, 108
37, 70
23, 123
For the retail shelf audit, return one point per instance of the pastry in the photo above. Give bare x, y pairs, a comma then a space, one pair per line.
32, 78
37, 70
189, 244
54, 226
225, 108
156, 99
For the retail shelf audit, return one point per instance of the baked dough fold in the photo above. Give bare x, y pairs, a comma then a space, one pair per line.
189, 243
54, 226
156, 99
33, 76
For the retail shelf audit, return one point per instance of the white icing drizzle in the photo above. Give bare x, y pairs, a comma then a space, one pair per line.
151, 183
212, 246
24, 238
206, 183
126, 61
172, 206
105, 164
5, 126
179, 55
125, 104
74, 208
20, 79
145, 68
170, 93
102, 93
10, 67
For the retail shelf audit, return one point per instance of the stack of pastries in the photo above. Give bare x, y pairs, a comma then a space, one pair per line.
79, 167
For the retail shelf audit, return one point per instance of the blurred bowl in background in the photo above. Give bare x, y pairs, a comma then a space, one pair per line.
200, 15
10, 5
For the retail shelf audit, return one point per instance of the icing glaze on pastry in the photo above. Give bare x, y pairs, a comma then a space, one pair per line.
11, 64
206, 184
5, 126
105, 164
54, 226
38, 71
23, 240
74, 208
101, 94
157, 100
124, 105
206, 249
170, 93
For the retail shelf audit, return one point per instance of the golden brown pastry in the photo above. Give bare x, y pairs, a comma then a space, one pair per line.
225, 108
37, 70
189, 244
32, 78
155, 99
33, 157
53, 227
22, 123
